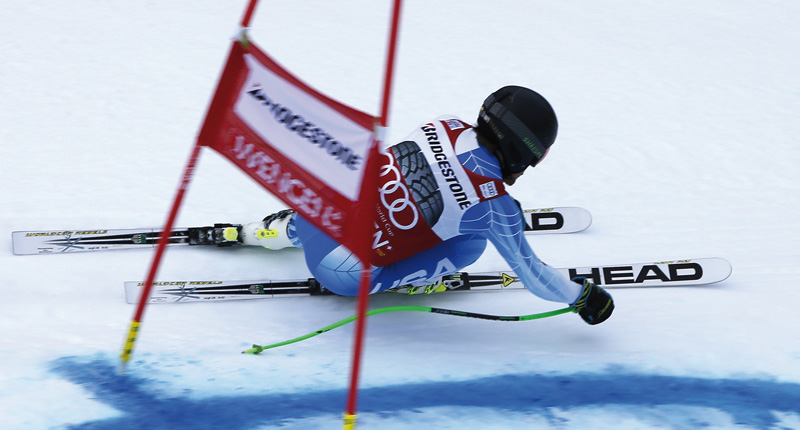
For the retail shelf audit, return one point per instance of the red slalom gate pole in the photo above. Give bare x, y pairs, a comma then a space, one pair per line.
366, 281
133, 331
188, 174
251, 7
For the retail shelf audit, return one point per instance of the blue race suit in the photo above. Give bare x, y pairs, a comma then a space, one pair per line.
458, 206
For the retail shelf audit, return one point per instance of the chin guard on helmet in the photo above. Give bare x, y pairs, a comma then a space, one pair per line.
521, 123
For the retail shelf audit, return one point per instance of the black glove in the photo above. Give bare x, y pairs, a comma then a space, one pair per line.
594, 305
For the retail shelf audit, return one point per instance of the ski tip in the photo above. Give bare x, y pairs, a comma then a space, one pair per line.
661, 273
723, 267
563, 219
587, 216
713, 270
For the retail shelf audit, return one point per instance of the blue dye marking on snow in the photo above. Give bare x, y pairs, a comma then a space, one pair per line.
748, 401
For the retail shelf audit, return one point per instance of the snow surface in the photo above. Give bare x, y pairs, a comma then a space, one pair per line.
679, 128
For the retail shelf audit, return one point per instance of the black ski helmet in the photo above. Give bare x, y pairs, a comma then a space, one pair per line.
521, 123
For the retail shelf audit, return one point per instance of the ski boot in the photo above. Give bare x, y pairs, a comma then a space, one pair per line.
271, 233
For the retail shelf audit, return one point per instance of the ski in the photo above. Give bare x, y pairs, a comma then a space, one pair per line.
538, 221
700, 271
61, 241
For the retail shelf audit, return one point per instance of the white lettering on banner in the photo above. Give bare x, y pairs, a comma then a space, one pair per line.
308, 202
306, 130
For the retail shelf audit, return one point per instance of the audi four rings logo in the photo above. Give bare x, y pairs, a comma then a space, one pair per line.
396, 197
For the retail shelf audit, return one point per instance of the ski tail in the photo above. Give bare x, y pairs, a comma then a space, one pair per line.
537, 221
64, 241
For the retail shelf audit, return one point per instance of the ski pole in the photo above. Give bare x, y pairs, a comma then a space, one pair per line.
257, 349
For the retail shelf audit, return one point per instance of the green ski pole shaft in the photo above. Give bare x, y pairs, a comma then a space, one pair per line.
257, 349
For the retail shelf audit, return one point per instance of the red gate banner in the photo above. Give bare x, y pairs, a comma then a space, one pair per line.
304, 147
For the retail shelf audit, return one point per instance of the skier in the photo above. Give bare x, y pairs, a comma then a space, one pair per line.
441, 197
